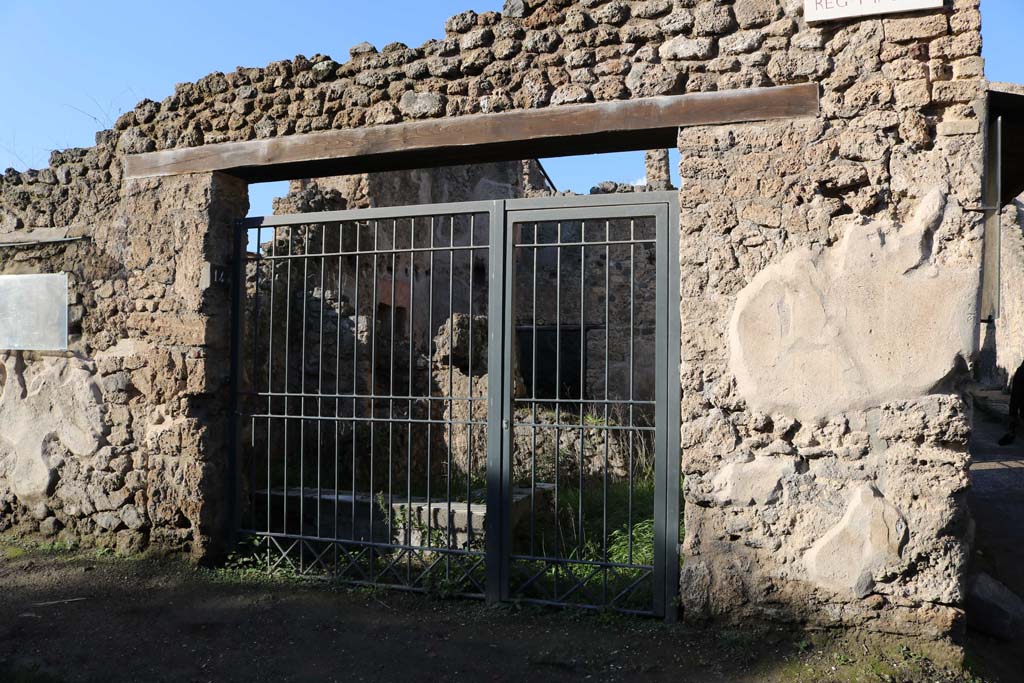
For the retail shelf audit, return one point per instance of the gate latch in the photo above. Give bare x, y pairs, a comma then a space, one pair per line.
504, 424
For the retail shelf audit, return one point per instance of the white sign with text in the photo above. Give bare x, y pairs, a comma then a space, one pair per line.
824, 10
34, 312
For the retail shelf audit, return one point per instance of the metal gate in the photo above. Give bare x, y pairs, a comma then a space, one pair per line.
473, 399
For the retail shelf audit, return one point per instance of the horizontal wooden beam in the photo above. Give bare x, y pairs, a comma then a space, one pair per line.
648, 123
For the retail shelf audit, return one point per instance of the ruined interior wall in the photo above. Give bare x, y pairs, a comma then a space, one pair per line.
1010, 324
1002, 343
829, 279
511, 180
461, 183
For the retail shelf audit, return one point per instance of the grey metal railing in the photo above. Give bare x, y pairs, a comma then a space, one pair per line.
390, 433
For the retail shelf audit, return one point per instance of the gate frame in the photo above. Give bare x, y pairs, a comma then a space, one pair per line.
665, 575
501, 283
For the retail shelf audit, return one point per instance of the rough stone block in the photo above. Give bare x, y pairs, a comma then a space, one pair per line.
993, 608
957, 91
809, 39
965, 20
969, 67
420, 105
651, 9
754, 13
683, 48
678, 22
939, 70
851, 556
711, 19
757, 482
460, 23
762, 214
964, 127
571, 94
905, 69
361, 49
915, 28
645, 80
514, 9
741, 42
912, 94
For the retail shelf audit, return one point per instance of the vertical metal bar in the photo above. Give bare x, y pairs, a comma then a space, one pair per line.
270, 379
430, 379
669, 425
411, 332
287, 383
320, 381
391, 380
993, 200
632, 364
470, 404
661, 393
254, 373
497, 418
373, 388
558, 393
355, 381
533, 403
661, 482
302, 396
238, 289
583, 377
607, 397
505, 312
451, 383
337, 395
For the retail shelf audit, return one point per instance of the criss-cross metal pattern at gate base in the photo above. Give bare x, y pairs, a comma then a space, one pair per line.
470, 399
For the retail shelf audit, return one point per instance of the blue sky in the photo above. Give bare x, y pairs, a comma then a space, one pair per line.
71, 67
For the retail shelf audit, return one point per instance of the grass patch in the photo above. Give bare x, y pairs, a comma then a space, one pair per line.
12, 552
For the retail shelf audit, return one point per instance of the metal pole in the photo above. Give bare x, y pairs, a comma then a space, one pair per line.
238, 292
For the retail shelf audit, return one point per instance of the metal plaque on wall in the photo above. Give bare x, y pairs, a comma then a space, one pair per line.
34, 312
825, 10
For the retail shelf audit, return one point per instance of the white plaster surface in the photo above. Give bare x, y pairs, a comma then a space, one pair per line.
867, 539
870, 320
54, 399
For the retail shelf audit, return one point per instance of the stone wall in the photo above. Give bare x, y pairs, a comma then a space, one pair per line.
115, 442
824, 438
854, 515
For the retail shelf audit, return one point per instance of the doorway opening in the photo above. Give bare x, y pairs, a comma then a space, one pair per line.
389, 435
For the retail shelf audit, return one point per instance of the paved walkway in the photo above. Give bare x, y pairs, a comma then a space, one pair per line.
997, 494
997, 505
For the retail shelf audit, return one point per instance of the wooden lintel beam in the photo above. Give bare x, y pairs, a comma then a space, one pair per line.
646, 123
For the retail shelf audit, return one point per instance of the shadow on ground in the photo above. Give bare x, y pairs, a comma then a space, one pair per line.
997, 506
76, 616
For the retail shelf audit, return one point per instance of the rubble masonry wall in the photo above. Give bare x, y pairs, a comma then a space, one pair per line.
856, 516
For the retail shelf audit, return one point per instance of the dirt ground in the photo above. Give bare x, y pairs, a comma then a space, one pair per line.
86, 616
82, 616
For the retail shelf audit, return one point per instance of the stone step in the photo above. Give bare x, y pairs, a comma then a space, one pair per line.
457, 518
